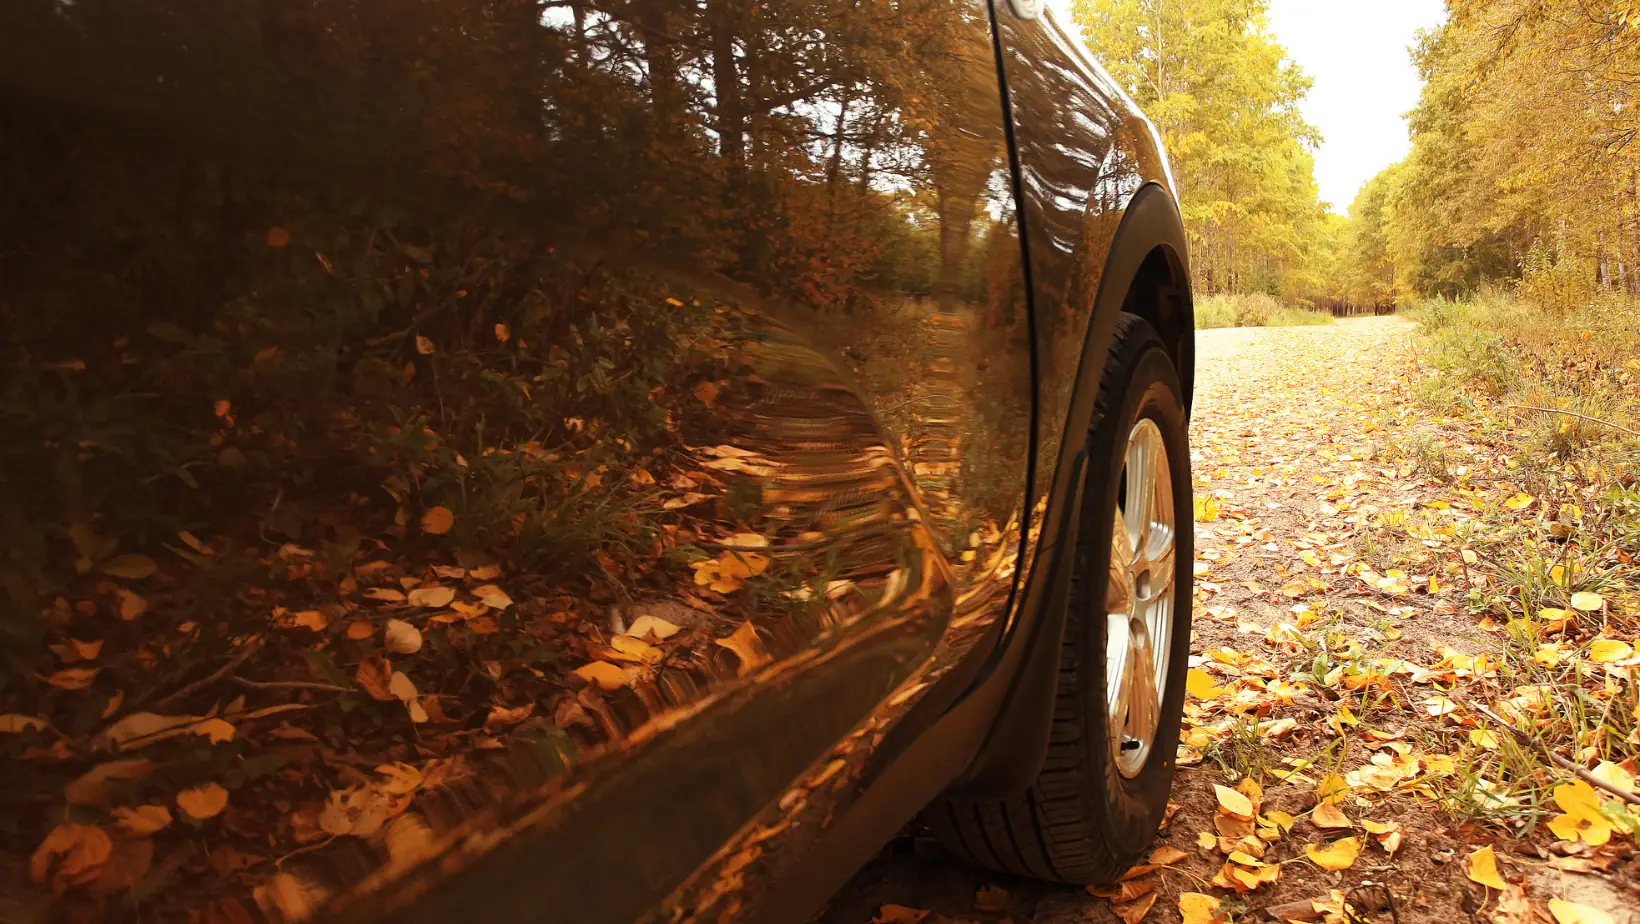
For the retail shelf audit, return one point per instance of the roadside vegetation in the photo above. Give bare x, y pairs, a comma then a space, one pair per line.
1253, 310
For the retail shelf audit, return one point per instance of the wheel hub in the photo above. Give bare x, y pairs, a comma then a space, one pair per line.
1139, 598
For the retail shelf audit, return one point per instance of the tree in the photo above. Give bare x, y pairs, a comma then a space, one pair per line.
1225, 97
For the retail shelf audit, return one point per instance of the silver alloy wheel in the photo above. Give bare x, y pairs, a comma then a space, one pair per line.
1139, 598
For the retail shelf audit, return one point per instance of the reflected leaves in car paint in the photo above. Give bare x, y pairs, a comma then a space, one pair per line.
818, 272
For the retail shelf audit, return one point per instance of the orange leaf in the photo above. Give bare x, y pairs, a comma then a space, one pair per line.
206, 800
437, 521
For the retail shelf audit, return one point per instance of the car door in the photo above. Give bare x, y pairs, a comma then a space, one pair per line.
502, 458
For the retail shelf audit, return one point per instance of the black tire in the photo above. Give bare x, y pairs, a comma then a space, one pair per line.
1082, 821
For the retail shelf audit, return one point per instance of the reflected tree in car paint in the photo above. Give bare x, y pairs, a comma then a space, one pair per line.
619, 284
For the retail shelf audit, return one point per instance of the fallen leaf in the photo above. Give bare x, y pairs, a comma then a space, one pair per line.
1608, 650
1338, 855
1199, 684
1519, 501
1233, 803
374, 675
1133, 912
12, 723
899, 914
1199, 908
206, 800
501, 717
73, 678
404, 689
1566, 912
1329, 815
360, 629
1166, 855
276, 237
70, 855
1587, 601
652, 625
142, 820
1482, 867
602, 673
503, 333
492, 596
424, 346
746, 644
437, 520
131, 605
399, 637
433, 596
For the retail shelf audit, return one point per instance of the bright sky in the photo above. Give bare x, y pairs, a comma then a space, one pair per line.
1364, 80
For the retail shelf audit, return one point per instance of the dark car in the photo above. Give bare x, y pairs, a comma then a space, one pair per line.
577, 460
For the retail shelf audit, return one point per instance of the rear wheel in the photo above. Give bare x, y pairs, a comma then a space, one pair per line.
1100, 796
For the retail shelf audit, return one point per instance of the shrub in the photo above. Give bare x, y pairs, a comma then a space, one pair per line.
1215, 311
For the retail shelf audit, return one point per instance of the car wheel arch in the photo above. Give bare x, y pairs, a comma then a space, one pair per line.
1146, 273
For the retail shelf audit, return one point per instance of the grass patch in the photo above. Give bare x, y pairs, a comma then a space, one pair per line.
1253, 310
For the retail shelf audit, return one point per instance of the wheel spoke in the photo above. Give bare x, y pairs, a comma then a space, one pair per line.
1143, 700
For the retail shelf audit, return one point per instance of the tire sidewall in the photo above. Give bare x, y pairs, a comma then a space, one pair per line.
1128, 811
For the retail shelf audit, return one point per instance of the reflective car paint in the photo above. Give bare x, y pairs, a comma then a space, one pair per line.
759, 269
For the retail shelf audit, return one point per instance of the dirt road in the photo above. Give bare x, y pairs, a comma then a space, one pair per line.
1290, 451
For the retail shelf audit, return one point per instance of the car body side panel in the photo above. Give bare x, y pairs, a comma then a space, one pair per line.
704, 320
1084, 150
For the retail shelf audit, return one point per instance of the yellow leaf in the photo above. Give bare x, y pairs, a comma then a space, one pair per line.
1166, 855
492, 596
433, 596
131, 567
1332, 788
1199, 908
646, 625
1566, 912
424, 346
1519, 501
1206, 840
1587, 601
1483, 738
1233, 803
437, 521
630, 648
1281, 819
991, 898
1607, 650
1199, 683
277, 237
1592, 831
142, 820
746, 644
1338, 855
503, 333
602, 673
1482, 867
206, 800
399, 637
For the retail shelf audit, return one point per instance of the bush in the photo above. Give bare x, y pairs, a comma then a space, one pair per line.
1215, 311
1252, 310
1297, 317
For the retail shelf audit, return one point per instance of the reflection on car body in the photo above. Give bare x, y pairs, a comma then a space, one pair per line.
536, 459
